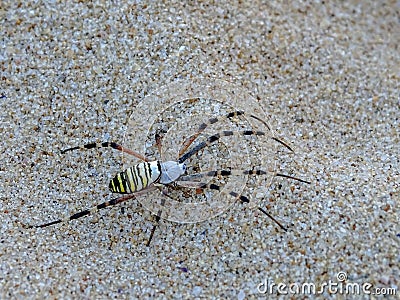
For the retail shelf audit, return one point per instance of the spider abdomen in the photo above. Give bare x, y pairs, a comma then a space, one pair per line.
136, 178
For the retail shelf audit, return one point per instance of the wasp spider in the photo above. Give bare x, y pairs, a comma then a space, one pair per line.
155, 174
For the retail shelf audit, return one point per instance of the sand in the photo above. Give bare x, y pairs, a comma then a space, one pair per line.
325, 75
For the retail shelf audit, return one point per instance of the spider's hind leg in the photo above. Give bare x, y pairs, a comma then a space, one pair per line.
86, 212
106, 145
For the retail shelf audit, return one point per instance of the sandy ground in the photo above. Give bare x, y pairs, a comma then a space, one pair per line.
326, 74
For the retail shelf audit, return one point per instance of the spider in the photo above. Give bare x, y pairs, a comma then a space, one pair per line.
158, 174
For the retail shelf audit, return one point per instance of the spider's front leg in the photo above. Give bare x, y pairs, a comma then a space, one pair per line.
234, 114
186, 144
189, 181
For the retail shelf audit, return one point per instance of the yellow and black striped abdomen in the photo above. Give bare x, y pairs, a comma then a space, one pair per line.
136, 178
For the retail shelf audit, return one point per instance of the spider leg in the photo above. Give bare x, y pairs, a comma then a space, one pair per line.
213, 138
272, 218
107, 145
161, 187
243, 199
216, 119
226, 173
235, 172
204, 125
89, 211
158, 142
291, 177
86, 212
158, 218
